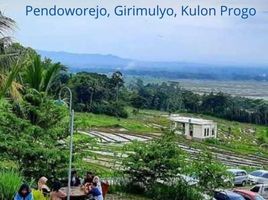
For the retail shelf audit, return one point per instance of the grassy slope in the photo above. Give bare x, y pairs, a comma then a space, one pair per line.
148, 121
140, 123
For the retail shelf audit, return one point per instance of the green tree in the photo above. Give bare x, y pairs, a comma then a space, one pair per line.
10, 62
6, 24
95, 93
157, 160
210, 173
40, 75
117, 81
29, 135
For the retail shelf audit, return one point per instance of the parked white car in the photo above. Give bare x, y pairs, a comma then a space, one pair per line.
261, 189
240, 176
258, 177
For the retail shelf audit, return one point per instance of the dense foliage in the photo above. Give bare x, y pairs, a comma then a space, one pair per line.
210, 174
156, 160
163, 171
97, 93
29, 136
31, 124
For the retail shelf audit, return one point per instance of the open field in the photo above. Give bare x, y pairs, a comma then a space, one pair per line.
136, 124
250, 89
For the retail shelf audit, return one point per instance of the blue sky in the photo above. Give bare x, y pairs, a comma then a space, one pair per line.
213, 40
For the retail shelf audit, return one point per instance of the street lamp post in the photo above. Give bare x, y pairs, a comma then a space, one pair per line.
71, 129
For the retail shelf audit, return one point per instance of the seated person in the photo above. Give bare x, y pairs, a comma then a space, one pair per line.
96, 180
89, 178
95, 192
86, 188
56, 193
42, 186
24, 193
75, 181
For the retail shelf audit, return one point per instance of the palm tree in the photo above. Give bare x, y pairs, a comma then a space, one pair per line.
6, 25
9, 62
117, 79
40, 75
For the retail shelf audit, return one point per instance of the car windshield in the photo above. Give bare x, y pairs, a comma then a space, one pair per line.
258, 197
256, 173
255, 189
231, 173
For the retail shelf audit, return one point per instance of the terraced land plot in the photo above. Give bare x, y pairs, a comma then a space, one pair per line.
109, 151
100, 141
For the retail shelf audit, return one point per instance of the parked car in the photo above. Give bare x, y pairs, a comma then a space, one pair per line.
240, 176
249, 195
228, 195
261, 189
258, 177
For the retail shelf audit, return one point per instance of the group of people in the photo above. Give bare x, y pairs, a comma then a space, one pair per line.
91, 185
25, 192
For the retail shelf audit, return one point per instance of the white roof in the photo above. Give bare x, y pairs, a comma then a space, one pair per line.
191, 120
236, 170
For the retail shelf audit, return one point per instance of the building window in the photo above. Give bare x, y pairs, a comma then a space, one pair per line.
206, 132
213, 132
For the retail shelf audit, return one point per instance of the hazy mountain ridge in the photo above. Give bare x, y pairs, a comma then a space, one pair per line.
109, 63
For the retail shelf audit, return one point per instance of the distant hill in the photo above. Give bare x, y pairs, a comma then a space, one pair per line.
100, 61
85, 60
173, 70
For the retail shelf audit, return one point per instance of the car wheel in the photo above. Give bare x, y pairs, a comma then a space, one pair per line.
244, 183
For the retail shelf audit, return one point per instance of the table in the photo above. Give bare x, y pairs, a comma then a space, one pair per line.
76, 193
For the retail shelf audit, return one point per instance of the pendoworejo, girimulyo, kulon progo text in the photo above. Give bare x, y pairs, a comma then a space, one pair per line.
134, 11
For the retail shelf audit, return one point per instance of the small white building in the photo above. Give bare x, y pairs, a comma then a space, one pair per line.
194, 127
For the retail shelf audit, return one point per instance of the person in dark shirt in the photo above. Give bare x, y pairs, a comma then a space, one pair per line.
24, 193
75, 181
89, 178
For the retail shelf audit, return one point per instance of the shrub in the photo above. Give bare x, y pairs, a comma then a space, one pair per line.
10, 182
211, 174
158, 191
159, 159
125, 186
6, 164
29, 135
111, 109
175, 191
38, 195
